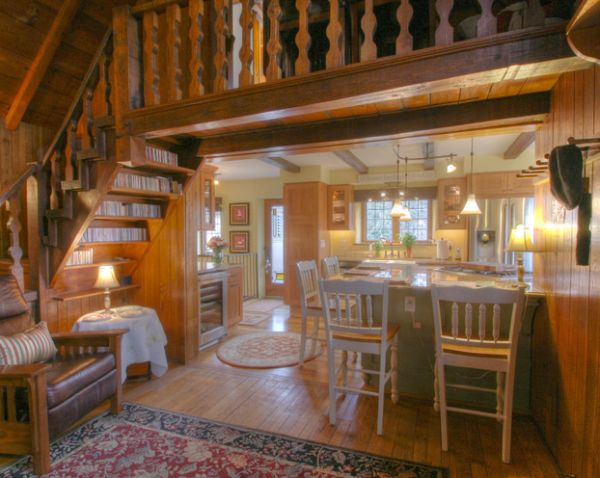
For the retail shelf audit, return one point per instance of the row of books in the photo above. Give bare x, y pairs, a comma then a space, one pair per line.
114, 234
160, 155
80, 257
118, 208
147, 183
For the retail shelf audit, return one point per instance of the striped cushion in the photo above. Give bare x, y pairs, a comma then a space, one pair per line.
33, 345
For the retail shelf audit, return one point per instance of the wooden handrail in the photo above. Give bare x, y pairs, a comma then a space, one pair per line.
78, 96
14, 187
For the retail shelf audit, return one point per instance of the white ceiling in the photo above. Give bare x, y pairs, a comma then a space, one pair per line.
376, 155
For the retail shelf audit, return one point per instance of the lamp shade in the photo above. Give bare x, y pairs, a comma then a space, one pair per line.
450, 168
471, 206
520, 239
401, 212
106, 278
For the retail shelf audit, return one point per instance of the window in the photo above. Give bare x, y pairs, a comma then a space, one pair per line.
208, 234
379, 224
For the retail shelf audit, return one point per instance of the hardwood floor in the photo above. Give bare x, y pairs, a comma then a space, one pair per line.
293, 401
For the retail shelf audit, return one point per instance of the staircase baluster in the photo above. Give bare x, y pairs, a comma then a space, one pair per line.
150, 56
335, 55
487, 24
246, 52
54, 184
444, 35
13, 207
105, 62
535, 15
221, 63
70, 164
274, 47
173, 47
303, 39
196, 12
88, 141
258, 34
368, 24
404, 14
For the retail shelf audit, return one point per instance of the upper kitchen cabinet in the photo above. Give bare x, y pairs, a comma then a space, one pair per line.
207, 197
451, 197
501, 185
339, 207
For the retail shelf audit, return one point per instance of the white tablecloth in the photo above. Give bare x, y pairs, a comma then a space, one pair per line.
145, 341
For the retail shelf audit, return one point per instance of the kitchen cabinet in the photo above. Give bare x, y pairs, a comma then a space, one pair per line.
451, 197
339, 207
235, 293
207, 197
503, 184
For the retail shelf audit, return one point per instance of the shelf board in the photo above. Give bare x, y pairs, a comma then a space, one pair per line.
154, 166
126, 218
101, 243
98, 264
82, 294
144, 193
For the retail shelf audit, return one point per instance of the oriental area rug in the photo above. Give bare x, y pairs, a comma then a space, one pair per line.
150, 443
266, 350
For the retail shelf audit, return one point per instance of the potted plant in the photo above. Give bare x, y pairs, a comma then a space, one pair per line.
378, 247
408, 240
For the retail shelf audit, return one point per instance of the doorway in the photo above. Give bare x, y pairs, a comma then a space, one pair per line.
274, 231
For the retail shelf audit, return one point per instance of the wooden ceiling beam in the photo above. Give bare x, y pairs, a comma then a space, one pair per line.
473, 117
520, 144
353, 161
40, 64
529, 53
281, 163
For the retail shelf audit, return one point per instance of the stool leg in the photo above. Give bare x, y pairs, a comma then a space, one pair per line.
436, 388
332, 391
345, 367
394, 368
507, 425
381, 392
442, 404
500, 379
302, 339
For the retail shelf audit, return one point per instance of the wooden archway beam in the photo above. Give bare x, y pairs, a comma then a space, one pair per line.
40, 64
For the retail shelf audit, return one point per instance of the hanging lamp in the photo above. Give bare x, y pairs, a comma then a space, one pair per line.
398, 210
471, 207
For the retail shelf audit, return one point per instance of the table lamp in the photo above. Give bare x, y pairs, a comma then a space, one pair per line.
519, 242
106, 280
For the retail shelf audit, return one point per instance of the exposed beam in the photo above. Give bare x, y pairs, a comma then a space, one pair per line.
282, 164
353, 161
529, 53
40, 63
519, 145
350, 132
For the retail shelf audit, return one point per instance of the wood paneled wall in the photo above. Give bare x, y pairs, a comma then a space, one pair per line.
566, 350
169, 278
17, 148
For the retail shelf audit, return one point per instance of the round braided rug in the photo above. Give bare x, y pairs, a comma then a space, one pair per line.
266, 350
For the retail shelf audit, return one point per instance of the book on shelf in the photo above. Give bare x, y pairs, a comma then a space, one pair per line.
114, 234
81, 257
147, 183
134, 209
158, 155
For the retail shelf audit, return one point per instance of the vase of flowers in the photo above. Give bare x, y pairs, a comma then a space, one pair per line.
216, 244
378, 247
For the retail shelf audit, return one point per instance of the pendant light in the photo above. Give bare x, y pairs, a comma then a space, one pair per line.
471, 207
406, 217
398, 209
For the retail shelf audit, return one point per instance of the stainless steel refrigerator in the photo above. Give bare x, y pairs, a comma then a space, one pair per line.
489, 232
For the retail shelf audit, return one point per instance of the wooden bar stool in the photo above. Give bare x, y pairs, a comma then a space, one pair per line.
308, 279
349, 330
479, 344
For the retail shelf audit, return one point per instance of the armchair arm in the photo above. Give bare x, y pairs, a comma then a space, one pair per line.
97, 338
15, 373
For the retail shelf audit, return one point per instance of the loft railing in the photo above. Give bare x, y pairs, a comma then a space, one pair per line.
190, 48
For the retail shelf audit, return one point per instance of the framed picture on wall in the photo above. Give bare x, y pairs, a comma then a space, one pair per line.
239, 242
239, 214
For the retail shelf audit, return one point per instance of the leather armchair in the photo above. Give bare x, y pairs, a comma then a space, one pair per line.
38, 402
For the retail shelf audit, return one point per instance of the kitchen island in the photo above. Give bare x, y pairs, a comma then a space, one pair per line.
410, 306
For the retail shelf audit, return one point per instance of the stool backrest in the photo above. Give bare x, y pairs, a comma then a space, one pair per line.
308, 279
330, 266
477, 317
352, 306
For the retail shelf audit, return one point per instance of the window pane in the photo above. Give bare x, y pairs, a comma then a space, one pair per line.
378, 222
419, 226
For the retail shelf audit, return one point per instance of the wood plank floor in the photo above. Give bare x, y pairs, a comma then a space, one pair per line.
293, 401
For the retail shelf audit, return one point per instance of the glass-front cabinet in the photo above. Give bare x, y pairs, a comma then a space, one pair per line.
339, 207
207, 197
452, 194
